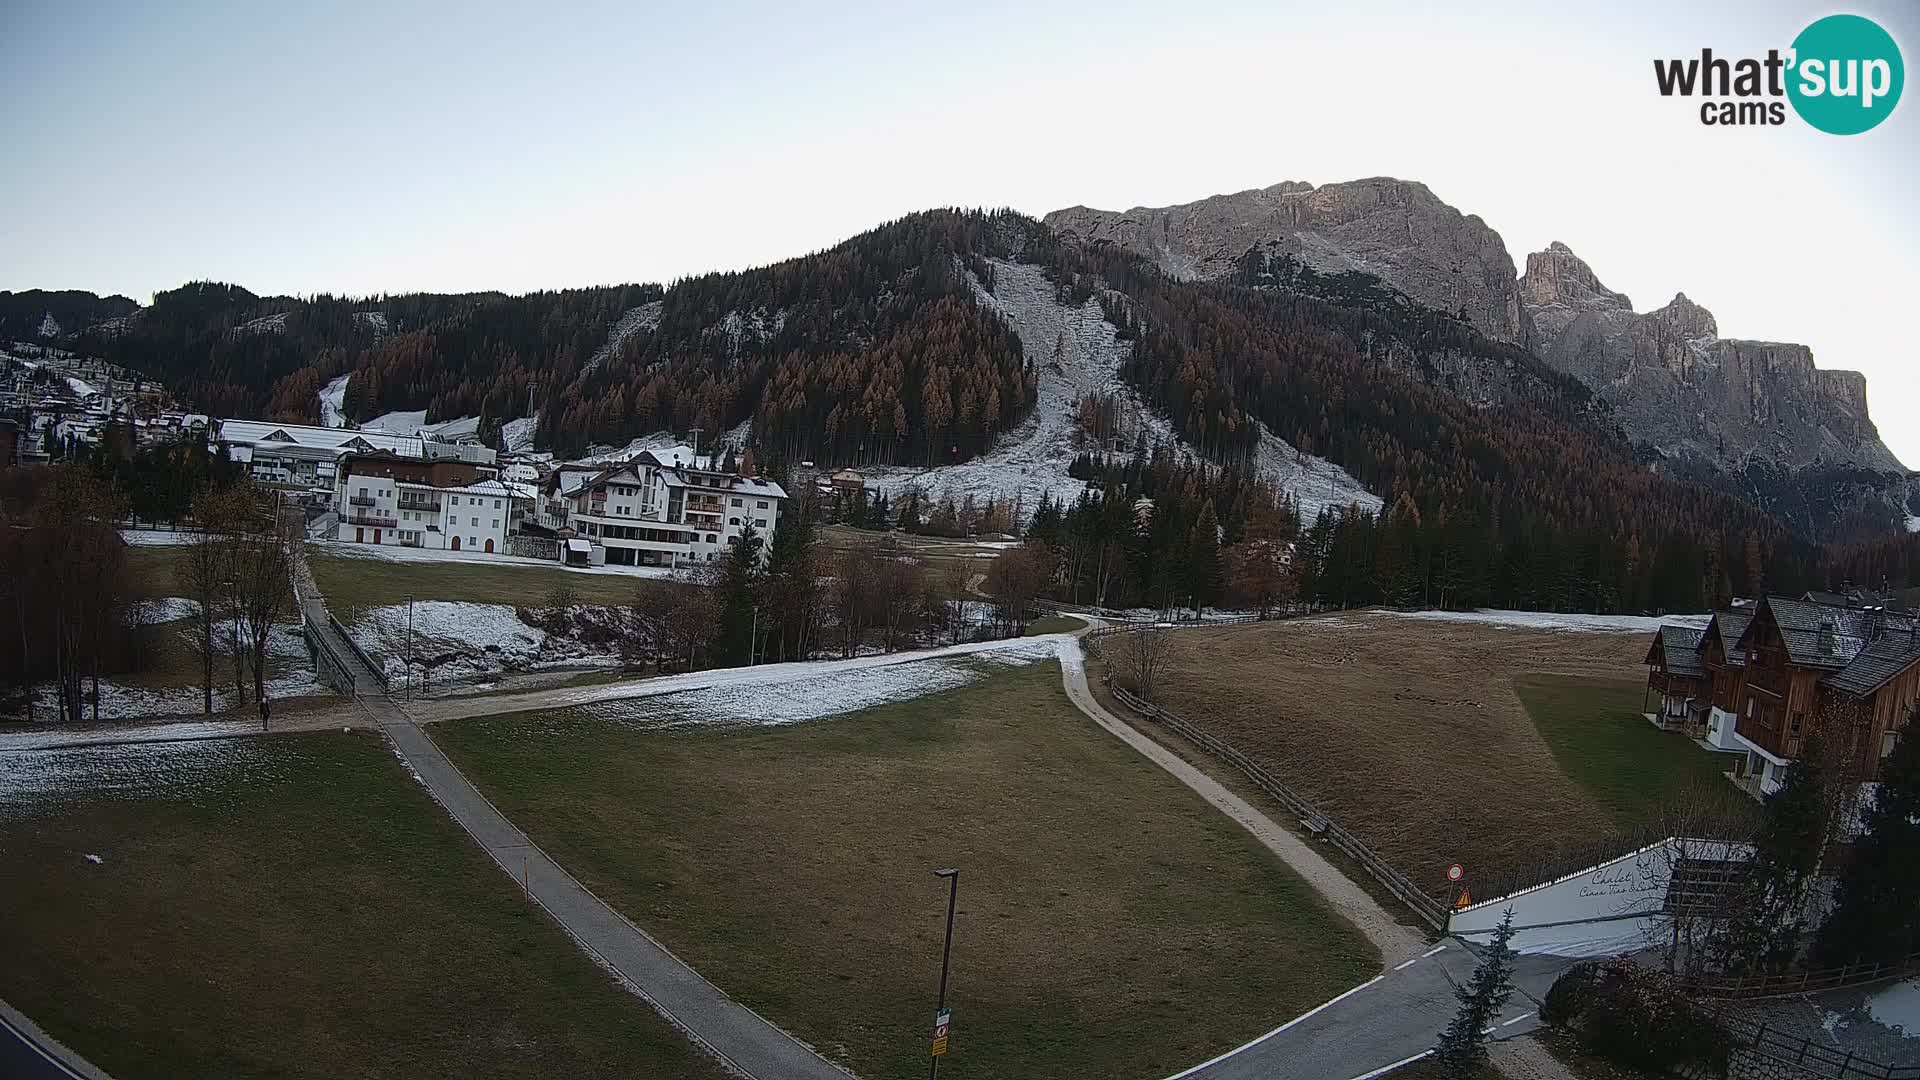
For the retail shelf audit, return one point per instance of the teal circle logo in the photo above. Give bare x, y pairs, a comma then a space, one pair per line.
1847, 74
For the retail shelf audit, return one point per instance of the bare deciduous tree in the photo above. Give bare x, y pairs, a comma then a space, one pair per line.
1139, 656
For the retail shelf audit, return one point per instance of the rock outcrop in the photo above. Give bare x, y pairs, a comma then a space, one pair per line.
1396, 230
1678, 386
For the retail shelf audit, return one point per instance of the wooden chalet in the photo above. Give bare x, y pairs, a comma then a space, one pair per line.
1725, 664
1675, 672
1805, 659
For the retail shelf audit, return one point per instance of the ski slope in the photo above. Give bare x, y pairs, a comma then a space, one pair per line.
1076, 353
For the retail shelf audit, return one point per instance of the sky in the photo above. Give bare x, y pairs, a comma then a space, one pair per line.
373, 148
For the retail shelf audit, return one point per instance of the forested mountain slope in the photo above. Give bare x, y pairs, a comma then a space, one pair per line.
891, 348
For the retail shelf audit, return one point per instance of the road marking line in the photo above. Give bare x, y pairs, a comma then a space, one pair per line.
1389, 1068
1515, 1020
1408, 964
1281, 1028
1430, 952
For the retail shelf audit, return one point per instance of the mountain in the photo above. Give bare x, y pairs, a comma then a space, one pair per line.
989, 355
1395, 230
1756, 419
1677, 385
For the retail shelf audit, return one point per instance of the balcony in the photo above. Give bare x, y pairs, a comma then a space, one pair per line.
429, 505
375, 518
362, 500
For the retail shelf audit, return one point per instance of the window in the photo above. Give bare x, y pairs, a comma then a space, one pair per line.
476, 522
733, 521
760, 523
761, 505
496, 523
733, 540
453, 500
363, 493
1793, 723
473, 541
736, 502
710, 540
496, 504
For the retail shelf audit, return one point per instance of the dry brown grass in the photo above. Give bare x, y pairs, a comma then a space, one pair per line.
1409, 733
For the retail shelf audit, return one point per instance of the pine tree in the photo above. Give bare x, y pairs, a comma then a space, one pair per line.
1876, 914
1203, 559
1463, 1046
739, 593
1764, 933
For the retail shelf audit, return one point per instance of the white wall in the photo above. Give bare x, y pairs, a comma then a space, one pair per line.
1605, 909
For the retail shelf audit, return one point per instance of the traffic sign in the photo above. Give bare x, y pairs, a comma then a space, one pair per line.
1456, 872
942, 1023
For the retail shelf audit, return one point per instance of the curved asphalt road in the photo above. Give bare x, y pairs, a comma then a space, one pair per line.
26, 1053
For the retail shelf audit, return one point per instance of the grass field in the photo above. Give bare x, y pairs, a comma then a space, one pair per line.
1411, 734
1111, 923
350, 582
1598, 735
290, 907
155, 572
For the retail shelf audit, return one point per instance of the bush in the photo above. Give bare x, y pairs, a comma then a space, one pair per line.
1570, 995
1636, 1017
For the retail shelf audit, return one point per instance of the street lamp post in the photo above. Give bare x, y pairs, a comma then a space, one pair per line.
946, 964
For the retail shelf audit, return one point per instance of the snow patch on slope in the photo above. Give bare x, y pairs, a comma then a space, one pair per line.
1913, 523
333, 401
375, 321
157, 768
455, 640
413, 422
265, 324
518, 434
1552, 620
49, 326
632, 321
1077, 353
1314, 482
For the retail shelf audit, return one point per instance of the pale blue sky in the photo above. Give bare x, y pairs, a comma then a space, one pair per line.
392, 147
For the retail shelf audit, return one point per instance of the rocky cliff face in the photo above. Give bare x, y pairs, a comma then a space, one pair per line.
1677, 385
1395, 230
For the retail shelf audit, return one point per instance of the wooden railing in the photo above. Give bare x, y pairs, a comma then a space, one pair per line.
1788, 983
1426, 907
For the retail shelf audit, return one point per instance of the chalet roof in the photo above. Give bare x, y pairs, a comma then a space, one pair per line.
1678, 649
1878, 663
1821, 635
1730, 625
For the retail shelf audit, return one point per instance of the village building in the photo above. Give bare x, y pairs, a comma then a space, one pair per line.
433, 500
659, 508
1809, 662
1674, 671
1725, 665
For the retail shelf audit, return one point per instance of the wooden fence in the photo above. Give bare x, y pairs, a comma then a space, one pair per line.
1788, 983
1429, 909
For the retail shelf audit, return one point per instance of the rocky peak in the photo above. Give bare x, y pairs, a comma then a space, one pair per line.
1687, 318
1557, 276
1396, 230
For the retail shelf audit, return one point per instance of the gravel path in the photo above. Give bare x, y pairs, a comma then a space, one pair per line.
1395, 940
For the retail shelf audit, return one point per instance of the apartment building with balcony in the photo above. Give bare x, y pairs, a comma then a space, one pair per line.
663, 508
446, 503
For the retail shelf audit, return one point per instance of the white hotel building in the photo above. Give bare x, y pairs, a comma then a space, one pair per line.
668, 508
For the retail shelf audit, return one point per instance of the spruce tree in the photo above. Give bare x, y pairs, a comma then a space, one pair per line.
1463, 1046
739, 589
1764, 933
1876, 914
1203, 559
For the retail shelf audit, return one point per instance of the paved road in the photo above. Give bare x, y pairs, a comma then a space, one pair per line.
728, 1029
27, 1053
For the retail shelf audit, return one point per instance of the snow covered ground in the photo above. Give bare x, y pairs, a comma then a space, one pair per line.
1076, 352
333, 399
1898, 1006
265, 324
155, 537
286, 652
518, 434
164, 609
815, 697
391, 553
832, 676
28, 777
1549, 620
632, 321
455, 642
